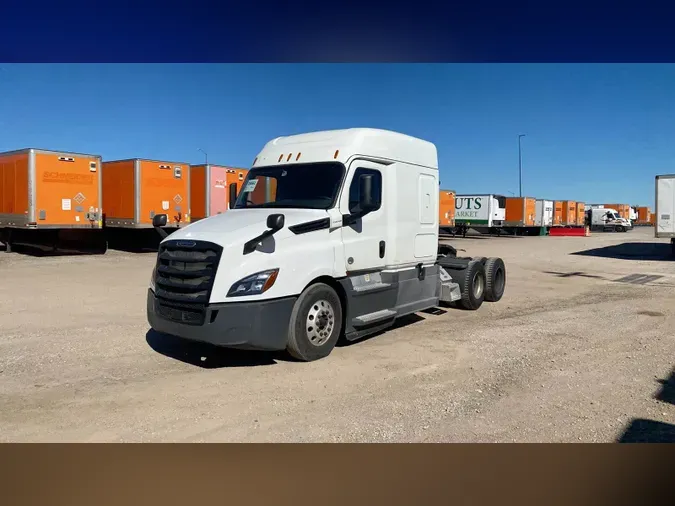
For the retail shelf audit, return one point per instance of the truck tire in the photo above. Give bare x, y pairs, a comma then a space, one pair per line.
472, 285
316, 323
495, 279
620, 228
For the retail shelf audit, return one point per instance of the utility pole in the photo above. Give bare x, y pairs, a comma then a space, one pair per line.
206, 156
520, 165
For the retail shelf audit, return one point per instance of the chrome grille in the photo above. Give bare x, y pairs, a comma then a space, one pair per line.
184, 276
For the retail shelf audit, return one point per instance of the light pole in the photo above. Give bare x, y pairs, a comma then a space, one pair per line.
520, 165
206, 156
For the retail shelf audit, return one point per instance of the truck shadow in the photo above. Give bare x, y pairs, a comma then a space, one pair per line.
578, 274
667, 391
632, 251
208, 356
38, 250
401, 322
641, 430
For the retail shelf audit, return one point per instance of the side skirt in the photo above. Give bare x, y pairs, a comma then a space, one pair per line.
376, 300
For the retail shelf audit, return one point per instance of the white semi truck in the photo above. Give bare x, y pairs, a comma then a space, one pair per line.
665, 208
344, 244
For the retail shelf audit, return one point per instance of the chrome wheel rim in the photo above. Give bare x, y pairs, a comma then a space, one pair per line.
478, 286
320, 322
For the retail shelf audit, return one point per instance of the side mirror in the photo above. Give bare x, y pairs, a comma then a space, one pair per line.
366, 193
233, 194
159, 220
275, 222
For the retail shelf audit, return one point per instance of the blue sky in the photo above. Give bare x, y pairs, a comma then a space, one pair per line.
594, 133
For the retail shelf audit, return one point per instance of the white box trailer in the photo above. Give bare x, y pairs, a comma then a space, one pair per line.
543, 213
665, 208
482, 213
345, 244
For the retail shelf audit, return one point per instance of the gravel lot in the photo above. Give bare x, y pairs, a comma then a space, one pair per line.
570, 354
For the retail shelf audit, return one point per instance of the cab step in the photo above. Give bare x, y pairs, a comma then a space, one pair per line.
372, 318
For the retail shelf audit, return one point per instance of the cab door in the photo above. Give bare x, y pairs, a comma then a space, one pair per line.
364, 239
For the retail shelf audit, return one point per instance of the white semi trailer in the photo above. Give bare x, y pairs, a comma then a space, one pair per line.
345, 244
665, 208
543, 213
482, 213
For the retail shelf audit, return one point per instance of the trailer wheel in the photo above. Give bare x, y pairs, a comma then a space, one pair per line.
495, 279
472, 285
316, 323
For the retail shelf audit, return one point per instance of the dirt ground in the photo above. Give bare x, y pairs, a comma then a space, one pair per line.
581, 348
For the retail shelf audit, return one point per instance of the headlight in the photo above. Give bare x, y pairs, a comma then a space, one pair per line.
254, 284
152, 277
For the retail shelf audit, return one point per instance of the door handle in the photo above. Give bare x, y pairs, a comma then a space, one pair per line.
382, 248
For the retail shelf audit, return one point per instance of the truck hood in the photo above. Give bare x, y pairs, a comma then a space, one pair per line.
237, 226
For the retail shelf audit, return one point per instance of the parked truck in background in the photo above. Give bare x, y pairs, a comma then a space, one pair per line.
665, 208
623, 210
519, 212
135, 190
606, 219
348, 244
208, 189
482, 213
47, 197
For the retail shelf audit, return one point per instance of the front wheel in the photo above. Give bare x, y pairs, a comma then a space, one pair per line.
316, 323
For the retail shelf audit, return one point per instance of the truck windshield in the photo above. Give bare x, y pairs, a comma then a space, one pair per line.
616, 216
300, 186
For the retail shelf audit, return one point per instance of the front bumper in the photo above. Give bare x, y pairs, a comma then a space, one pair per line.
256, 325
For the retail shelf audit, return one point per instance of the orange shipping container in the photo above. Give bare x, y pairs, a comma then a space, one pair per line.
446, 208
209, 189
520, 212
581, 214
569, 212
558, 212
643, 214
50, 189
135, 190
